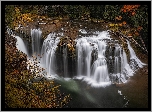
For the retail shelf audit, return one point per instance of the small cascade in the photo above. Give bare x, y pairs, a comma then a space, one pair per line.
117, 59
134, 61
91, 60
118, 66
36, 40
86, 54
99, 67
105, 57
100, 71
125, 66
48, 51
99, 60
20, 45
83, 50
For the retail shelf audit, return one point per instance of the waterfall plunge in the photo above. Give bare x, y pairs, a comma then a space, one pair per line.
100, 72
134, 59
20, 45
36, 40
96, 60
83, 50
48, 51
97, 72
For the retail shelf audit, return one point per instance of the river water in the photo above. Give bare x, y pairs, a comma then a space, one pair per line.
102, 70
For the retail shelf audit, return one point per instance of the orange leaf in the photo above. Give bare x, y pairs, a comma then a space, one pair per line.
120, 17
129, 34
136, 33
124, 11
133, 13
124, 23
139, 28
120, 24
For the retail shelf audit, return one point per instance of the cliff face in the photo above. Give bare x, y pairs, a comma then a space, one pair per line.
70, 31
72, 48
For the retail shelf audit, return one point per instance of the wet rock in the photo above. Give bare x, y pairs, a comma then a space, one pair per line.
119, 85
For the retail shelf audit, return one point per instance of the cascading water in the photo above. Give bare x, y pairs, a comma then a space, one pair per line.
36, 40
110, 64
97, 70
20, 45
48, 52
122, 70
135, 62
100, 60
100, 70
125, 68
83, 50
117, 59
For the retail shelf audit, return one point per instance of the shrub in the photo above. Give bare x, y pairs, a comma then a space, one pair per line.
21, 88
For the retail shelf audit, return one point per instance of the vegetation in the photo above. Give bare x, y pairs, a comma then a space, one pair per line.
21, 88
130, 21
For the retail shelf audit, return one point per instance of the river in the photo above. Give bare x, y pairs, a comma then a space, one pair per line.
101, 75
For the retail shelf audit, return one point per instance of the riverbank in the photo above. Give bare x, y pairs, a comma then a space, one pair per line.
137, 87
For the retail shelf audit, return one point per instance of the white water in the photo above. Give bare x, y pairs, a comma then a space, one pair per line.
99, 73
94, 68
95, 73
122, 69
133, 56
48, 50
20, 45
36, 40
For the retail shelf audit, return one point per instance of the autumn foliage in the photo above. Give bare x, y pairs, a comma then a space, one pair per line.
22, 90
130, 8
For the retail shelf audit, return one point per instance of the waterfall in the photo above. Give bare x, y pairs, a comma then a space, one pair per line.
100, 71
20, 45
85, 46
48, 51
125, 66
135, 62
117, 59
109, 64
100, 60
122, 69
83, 50
36, 40
99, 67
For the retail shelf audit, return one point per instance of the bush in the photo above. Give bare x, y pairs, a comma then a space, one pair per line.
111, 11
21, 88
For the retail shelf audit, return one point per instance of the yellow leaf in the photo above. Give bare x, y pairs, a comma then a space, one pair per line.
111, 24
116, 24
